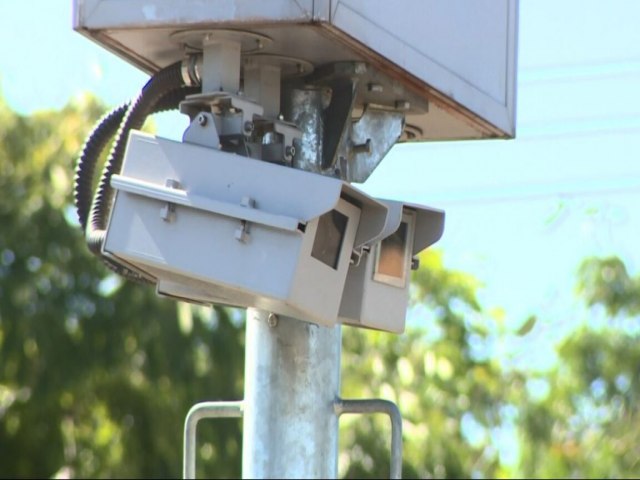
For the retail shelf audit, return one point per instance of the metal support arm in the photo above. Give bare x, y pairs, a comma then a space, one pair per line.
197, 413
379, 406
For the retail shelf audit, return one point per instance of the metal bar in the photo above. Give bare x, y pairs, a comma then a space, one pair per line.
197, 413
146, 189
221, 64
379, 406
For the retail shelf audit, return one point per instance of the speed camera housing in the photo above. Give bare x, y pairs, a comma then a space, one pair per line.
215, 227
376, 292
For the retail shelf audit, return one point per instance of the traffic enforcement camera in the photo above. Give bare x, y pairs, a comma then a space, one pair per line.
215, 227
376, 292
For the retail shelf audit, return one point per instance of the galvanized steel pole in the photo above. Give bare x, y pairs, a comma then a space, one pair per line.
292, 378
292, 368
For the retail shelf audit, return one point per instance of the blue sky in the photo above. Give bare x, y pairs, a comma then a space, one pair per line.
521, 214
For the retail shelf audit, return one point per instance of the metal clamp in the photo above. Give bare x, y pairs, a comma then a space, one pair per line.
168, 211
239, 109
202, 131
198, 412
341, 406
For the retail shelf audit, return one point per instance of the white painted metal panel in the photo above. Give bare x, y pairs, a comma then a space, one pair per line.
198, 254
462, 48
459, 56
99, 14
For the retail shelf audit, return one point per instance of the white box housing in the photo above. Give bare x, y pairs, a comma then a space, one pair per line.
376, 292
450, 63
215, 227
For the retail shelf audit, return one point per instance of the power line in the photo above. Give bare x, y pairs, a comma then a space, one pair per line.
589, 71
480, 198
577, 128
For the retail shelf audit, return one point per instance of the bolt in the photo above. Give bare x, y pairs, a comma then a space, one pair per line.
415, 263
242, 234
289, 151
247, 202
360, 68
355, 257
248, 127
168, 212
202, 119
272, 320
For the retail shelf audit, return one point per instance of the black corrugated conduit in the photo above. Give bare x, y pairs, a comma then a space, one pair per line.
101, 135
163, 91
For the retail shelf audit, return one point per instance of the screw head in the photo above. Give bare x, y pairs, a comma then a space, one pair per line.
289, 151
202, 119
415, 263
172, 183
247, 202
272, 320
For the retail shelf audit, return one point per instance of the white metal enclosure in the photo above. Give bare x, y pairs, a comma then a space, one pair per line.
377, 297
449, 65
237, 231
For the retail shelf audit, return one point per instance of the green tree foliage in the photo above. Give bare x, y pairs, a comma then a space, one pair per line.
606, 282
461, 407
95, 376
588, 421
451, 395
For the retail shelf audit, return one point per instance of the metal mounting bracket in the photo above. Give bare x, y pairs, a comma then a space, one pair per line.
223, 102
371, 138
342, 406
354, 147
206, 410
202, 131
338, 117
199, 412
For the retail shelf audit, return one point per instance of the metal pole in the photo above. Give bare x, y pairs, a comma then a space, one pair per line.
292, 368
